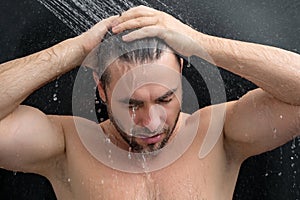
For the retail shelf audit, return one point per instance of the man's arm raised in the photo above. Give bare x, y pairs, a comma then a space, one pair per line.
27, 135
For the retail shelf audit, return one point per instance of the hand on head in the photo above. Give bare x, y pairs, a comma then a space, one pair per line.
91, 38
154, 23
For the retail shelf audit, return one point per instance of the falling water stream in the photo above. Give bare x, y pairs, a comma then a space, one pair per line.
80, 15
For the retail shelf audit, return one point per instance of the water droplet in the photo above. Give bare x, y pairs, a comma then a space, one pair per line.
107, 140
54, 97
280, 173
281, 117
274, 130
15, 173
129, 153
293, 165
102, 181
109, 154
56, 83
293, 146
189, 62
144, 162
267, 174
69, 180
85, 69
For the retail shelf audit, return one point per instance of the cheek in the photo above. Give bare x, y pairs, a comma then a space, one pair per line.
172, 111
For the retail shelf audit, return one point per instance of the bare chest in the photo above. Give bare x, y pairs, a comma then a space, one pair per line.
188, 178
109, 184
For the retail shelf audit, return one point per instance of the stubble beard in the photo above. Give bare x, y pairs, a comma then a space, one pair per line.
131, 141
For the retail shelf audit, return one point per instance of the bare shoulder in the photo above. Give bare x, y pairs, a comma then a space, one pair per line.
258, 122
73, 124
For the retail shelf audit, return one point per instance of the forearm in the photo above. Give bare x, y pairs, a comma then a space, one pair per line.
20, 77
275, 70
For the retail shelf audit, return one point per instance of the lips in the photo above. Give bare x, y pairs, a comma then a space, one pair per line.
153, 139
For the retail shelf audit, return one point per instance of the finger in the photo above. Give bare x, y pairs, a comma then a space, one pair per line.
108, 22
135, 23
150, 31
136, 12
105, 23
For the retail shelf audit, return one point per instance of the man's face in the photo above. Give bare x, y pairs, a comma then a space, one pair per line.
144, 101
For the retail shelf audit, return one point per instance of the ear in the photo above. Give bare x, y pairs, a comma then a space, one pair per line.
100, 87
181, 64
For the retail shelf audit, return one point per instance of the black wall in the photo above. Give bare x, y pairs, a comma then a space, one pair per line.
27, 26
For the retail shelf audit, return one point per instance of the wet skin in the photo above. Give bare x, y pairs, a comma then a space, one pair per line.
78, 175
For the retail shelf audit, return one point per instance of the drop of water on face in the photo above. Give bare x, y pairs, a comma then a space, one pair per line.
102, 181
69, 180
133, 116
133, 113
281, 117
129, 153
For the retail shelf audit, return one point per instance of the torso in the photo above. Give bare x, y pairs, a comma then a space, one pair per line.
190, 178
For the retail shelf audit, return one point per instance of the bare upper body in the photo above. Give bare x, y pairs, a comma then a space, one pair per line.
78, 175
50, 145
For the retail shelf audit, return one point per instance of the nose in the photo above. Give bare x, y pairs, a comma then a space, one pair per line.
153, 118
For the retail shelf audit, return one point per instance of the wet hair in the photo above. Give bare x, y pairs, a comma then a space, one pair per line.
140, 51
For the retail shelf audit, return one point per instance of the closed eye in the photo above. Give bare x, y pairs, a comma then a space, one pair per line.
164, 100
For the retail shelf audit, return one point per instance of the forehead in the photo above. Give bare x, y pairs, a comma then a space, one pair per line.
161, 73
167, 62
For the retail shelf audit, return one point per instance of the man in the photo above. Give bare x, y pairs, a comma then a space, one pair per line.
56, 146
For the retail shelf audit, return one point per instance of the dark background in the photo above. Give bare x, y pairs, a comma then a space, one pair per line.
27, 27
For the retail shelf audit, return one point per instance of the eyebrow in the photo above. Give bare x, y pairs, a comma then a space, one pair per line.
166, 95
139, 102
